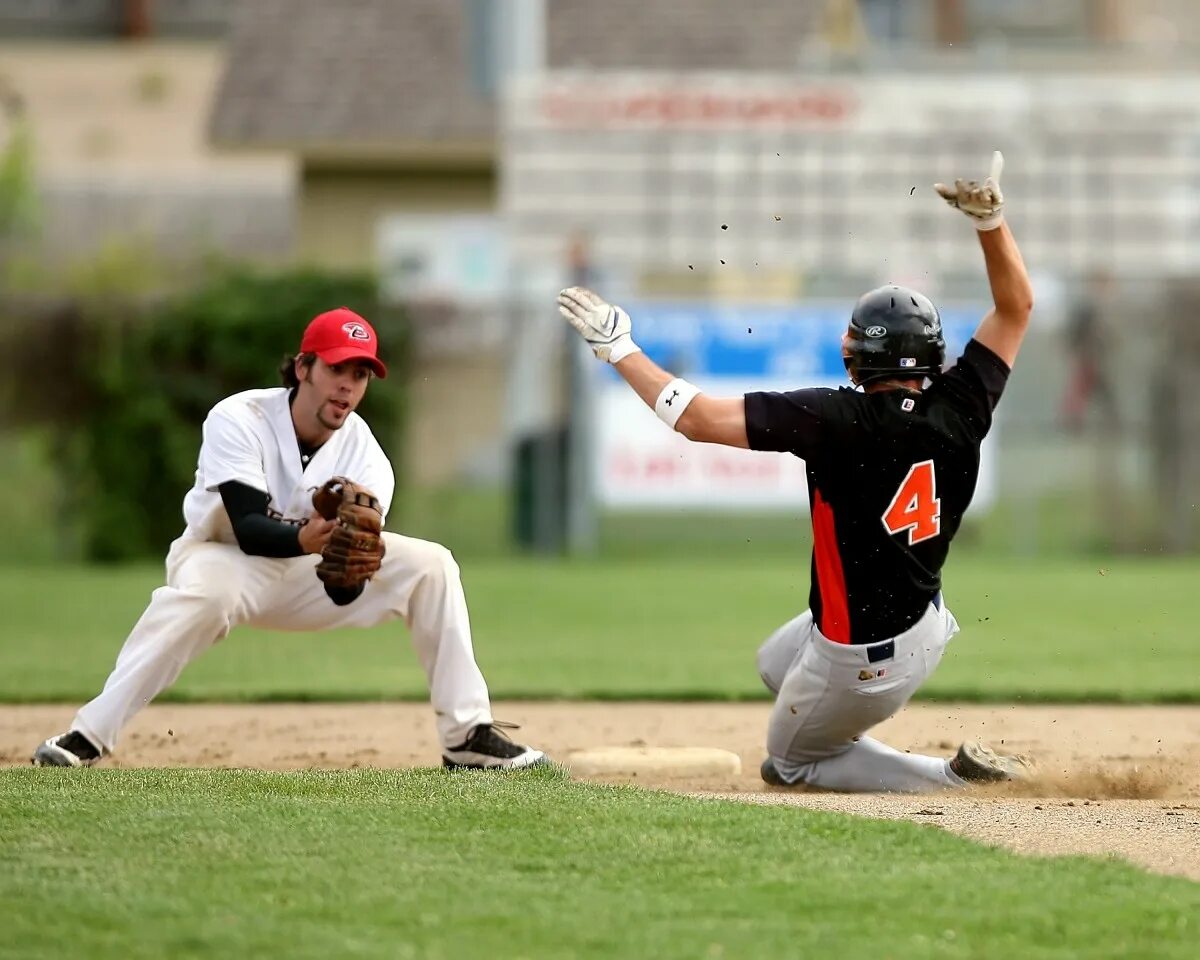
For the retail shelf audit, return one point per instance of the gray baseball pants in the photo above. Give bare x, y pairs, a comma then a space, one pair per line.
828, 695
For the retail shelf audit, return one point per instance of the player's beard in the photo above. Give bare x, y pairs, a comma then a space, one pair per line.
331, 422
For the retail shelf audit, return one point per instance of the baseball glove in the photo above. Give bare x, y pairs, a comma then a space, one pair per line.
355, 548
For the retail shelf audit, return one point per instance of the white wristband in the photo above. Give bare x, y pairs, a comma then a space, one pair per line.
673, 400
991, 223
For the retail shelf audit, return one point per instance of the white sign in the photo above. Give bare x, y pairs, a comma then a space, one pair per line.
641, 462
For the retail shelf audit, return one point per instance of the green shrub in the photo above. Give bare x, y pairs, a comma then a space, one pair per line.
124, 382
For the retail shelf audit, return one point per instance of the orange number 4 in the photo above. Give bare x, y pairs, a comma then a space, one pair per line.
915, 507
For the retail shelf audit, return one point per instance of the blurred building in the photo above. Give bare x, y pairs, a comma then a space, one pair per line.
392, 108
116, 96
391, 104
371, 133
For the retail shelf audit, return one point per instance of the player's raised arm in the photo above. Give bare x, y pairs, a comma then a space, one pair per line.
1003, 329
679, 404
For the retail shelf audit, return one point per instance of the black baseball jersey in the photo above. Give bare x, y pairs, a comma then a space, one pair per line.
890, 475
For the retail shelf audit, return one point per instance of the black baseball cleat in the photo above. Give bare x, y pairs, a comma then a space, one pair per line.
70, 749
771, 775
976, 763
488, 748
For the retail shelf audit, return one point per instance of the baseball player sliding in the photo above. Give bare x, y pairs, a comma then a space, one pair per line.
284, 530
891, 469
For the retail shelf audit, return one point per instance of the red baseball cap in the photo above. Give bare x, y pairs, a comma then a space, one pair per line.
340, 335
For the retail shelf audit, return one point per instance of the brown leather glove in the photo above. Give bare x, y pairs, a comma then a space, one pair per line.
355, 549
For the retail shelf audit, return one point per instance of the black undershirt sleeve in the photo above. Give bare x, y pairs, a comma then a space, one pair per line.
257, 534
261, 536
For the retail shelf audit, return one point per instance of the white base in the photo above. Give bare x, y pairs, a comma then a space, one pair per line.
654, 761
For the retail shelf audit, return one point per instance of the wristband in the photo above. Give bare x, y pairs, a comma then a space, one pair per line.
673, 400
991, 223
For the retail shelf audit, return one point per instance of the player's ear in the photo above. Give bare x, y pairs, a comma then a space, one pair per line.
848, 358
304, 365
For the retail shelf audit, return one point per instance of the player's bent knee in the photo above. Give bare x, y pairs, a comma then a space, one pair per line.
216, 608
442, 562
430, 561
196, 619
773, 661
766, 674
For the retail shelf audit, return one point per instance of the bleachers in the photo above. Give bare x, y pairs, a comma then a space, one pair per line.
1102, 173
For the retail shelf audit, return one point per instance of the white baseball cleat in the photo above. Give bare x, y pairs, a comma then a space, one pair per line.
488, 748
70, 749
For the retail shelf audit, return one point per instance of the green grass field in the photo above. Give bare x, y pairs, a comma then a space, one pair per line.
191, 863
131, 864
665, 629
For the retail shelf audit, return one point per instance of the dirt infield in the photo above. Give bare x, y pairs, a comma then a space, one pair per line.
1121, 781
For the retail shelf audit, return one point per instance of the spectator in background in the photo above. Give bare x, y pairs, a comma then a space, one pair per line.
1088, 379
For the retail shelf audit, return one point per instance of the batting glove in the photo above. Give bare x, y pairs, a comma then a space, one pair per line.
606, 328
983, 203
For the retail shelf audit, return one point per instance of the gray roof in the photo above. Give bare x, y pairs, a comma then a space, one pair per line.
358, 76
312, 72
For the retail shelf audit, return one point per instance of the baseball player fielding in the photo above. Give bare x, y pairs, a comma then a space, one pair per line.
284, 530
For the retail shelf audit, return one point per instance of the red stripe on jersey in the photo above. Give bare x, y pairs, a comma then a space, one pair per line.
831, 579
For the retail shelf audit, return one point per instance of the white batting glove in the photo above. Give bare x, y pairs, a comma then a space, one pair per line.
607, 328
983, 203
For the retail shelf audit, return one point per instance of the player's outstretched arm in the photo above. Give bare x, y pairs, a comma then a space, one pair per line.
1003, 329
609, 332
705, 419
1004, 326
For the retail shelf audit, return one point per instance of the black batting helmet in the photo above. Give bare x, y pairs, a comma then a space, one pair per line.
894, 332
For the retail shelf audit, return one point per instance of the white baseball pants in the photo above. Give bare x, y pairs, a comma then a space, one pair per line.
829, 694
213, 587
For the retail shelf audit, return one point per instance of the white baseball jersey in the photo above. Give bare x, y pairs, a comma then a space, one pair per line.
250, 438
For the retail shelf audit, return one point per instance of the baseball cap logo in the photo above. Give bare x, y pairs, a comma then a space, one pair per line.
876, 331
356, 331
